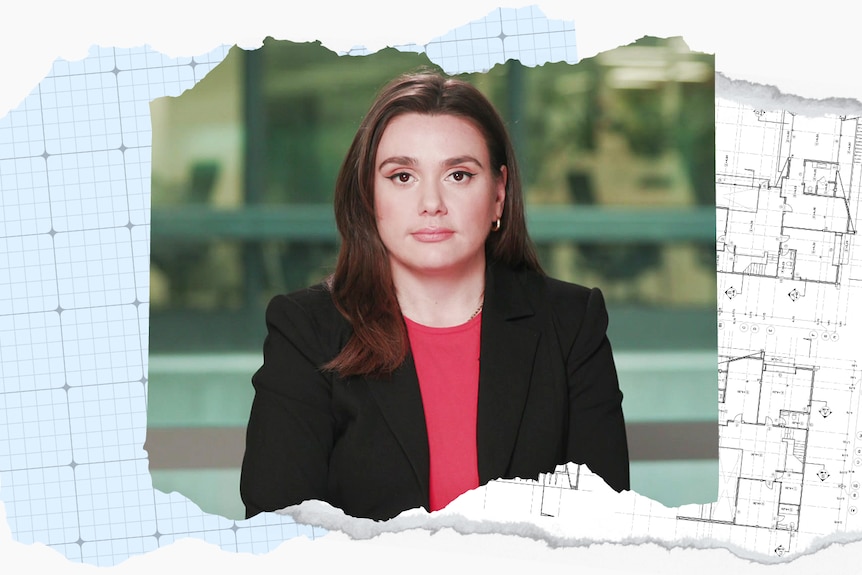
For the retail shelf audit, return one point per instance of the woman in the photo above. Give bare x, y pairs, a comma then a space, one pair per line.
438, 356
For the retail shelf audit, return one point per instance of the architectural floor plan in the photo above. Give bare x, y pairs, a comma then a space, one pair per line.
789, 309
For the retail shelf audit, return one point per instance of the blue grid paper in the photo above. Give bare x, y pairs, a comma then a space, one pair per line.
74, 286
506, 33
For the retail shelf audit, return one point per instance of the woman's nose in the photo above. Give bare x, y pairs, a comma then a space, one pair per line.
431, 199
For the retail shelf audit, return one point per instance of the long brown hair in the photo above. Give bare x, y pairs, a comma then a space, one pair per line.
362, 286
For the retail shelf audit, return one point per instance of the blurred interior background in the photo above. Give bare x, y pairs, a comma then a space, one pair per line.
617, 156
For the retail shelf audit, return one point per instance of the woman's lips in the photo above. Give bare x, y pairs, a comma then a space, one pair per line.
432, 234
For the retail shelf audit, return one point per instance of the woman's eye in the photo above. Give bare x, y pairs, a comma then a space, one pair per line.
400, 177
460, 176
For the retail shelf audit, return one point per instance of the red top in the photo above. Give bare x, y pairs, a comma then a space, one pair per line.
447, 365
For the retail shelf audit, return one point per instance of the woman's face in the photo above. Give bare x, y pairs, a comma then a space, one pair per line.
435, 194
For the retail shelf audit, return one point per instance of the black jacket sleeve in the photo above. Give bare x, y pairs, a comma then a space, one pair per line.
290, 430
597, 433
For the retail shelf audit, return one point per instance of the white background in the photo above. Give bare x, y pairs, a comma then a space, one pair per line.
810, 53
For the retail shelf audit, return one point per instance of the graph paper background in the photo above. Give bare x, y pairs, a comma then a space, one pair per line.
74, 289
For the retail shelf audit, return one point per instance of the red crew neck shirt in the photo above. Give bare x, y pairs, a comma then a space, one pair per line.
447, 365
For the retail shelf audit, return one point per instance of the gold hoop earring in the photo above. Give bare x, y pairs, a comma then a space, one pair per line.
495, 227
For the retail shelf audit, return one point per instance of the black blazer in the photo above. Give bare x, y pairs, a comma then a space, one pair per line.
548, 394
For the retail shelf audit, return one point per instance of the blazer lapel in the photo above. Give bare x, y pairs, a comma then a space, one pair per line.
400, 401
506, 363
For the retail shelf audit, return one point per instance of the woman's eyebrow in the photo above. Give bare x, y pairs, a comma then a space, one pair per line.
398, 161
410, 161
462, 160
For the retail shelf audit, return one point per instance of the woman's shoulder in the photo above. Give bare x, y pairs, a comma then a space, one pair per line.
308, 313
577, 311
568, 291
557, 292
313, 299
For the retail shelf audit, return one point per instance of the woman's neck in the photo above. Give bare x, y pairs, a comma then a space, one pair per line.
440, 300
